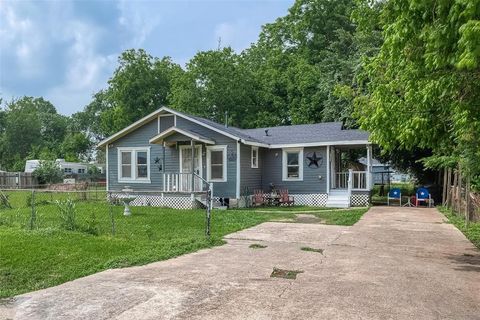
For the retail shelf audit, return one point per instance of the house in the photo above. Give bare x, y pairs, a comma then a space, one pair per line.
156, 155
68, 168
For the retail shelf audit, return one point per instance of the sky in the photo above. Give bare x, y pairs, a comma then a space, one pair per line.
67, 50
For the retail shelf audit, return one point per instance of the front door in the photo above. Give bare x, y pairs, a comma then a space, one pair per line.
186, 167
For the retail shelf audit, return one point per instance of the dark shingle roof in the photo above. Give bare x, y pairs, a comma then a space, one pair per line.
293, 134
307, 133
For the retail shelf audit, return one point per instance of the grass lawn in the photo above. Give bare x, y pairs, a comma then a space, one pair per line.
49, 255
341, 217
472, 232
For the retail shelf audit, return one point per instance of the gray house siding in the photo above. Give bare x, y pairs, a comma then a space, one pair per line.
250, 178
220, 189
140, 138
166, 122
137, 138
272, 172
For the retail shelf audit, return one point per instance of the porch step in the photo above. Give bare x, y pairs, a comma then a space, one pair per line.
338, 199
203, 201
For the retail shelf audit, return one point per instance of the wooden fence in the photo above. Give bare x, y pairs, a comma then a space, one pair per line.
458, 195
17, 180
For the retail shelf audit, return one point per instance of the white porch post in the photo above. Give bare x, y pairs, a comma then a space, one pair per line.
328, 169
369, 166
192, 144
238, 176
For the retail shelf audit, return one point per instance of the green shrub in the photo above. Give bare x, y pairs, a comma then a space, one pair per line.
4, 202
67, 214
92, 224
48, 172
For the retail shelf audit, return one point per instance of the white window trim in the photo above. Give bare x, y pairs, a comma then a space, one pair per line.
284, 164
133, 151
252, 165
222, 148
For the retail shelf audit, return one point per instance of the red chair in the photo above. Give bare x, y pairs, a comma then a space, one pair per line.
285, 199
258, 198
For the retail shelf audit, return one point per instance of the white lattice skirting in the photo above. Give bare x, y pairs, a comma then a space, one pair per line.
168, 201
360, 200
313, 200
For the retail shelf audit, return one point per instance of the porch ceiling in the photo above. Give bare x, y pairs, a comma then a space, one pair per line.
186, 135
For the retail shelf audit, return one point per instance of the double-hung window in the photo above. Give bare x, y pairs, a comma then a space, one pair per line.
292, 164
254, 157
134, 164
217, 163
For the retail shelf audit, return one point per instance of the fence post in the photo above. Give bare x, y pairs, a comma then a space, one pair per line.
467, 202
33, 216
112, 219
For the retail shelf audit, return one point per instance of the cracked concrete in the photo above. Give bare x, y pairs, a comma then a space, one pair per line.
395, 263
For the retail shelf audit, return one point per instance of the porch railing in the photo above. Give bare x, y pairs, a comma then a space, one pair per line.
358, 180
183, 182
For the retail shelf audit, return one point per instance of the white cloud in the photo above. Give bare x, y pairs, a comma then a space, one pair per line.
137, 19
86, 70
33, 35
237, 34
21, 37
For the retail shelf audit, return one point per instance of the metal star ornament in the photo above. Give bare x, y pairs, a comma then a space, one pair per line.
314, 160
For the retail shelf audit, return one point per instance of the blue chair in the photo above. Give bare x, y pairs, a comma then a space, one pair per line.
423, 195
394, 194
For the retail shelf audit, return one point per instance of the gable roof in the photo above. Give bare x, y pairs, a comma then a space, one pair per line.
326, 133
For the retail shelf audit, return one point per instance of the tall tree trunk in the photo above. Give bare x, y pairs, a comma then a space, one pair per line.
449, 188
444, 190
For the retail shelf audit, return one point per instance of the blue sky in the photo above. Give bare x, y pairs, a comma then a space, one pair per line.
66, 50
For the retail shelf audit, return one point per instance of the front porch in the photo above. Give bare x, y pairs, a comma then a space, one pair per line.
349, 175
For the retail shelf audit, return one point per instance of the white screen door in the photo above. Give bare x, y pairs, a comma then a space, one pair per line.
186, 167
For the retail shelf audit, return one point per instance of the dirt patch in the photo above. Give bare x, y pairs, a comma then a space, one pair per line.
312, 250
285, 274
307, 218
257, 246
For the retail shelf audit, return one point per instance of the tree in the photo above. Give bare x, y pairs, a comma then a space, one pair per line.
422, 90
31, 126
139, 86
301, 58
216, 82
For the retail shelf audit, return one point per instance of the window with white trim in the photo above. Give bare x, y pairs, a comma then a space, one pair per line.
217, 163
134, 164
292, 164
254, 157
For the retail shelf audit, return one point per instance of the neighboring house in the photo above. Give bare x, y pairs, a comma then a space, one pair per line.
68, 168
383, 173
153, 157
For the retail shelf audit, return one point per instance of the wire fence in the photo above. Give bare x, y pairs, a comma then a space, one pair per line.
87, 208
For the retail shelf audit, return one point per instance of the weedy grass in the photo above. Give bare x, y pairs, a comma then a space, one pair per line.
312, 249
257, 246
50, 254
471, 231
341, 217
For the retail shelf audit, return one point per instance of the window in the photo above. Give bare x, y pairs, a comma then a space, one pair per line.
134, 164
217, 163
292, 164
67, 170
254, 157
81, 170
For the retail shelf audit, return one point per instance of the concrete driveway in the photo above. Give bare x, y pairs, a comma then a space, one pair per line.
396, 263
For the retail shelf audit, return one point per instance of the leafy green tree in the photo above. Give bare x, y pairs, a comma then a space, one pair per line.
31, 126
301, 58
139, 86
216, 82
422, 90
